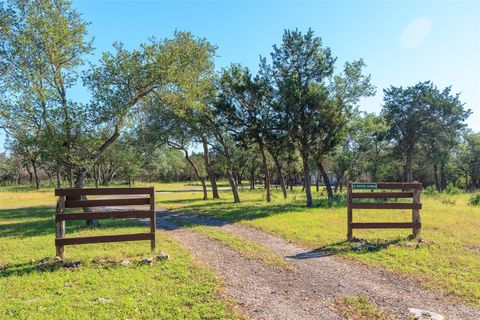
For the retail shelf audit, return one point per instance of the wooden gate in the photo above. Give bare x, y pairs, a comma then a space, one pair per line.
75, 198
407, 190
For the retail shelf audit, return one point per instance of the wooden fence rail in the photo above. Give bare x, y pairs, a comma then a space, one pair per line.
76, 198
409, 190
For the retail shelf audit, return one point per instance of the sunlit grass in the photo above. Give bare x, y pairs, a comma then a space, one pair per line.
448, 258
35, 286
360, 308
245, 248
27, 196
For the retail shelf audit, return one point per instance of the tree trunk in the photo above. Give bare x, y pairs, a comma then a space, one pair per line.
437, 181
197, 174
57, 174
326, 179
231, 180
79, 183
97, 175
267, 173
252, 178
443, 177
408, 165
210, 171
280, 176
30, 174
306, 178
35, 175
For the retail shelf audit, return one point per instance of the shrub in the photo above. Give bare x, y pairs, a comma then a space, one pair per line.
339, 200
449, 201
430, 191
452, 190
475, 199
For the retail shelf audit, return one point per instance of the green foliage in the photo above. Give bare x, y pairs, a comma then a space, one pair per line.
475, 199
451, 190
339, 200
423, 114
430, 191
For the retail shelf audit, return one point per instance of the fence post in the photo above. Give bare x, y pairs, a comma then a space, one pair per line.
349, 211
60, 226
153, 219
416, 212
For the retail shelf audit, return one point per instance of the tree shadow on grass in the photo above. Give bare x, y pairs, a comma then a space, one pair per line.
40, 221
49, 264
358, 246
39, 212
235, 213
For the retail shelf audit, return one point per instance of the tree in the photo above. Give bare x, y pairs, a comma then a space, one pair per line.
243, 102
41, 49
312, 102
361, 150
164, 126
170, 69
214, 126
418, 113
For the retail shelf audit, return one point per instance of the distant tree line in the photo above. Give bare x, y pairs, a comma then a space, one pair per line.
162, 112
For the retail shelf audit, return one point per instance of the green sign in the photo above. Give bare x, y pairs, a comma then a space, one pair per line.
364, 185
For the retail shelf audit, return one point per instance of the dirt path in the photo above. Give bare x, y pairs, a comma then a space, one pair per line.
309, 290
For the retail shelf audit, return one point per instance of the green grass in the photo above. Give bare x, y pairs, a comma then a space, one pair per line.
448, 259
245, 248
25, 196
35, 286
359, 308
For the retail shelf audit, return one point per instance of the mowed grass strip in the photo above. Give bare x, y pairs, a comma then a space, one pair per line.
359, 308
246, 248
447, 259
92, 282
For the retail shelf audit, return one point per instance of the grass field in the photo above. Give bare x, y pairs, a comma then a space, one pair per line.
92, 282
448, 258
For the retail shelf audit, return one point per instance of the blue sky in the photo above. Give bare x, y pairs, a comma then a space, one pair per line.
401, 42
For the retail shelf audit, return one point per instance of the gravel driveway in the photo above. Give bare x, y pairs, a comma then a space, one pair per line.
315, 281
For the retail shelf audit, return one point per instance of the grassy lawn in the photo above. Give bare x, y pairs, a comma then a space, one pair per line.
26, 196
448, 258
92, 283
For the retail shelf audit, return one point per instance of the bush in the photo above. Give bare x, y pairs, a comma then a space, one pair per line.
430, 191
452, 190
475, 199
339, 200
448, 200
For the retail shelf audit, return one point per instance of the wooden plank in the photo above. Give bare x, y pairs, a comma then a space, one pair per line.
384, 225
153, 219
106, 202
100, 239
381, 195
387, 205
416, 214
100, 191
399, 185
139, 214
349, 211
60, 227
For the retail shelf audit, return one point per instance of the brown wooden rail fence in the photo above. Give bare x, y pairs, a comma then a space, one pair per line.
407, 190
76, 198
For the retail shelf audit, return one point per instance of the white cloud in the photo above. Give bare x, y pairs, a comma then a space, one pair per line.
415, 32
